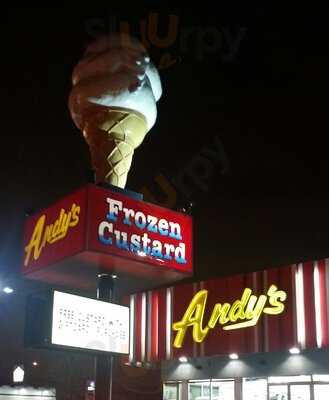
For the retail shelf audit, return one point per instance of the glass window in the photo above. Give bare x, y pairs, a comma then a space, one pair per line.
300, 392
199, 390
289, 379
278, 392
171, 391
254, 389
321, 392
222, 390
321, 378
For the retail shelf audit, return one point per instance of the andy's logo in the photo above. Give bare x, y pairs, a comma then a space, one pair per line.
248, 310
47, 234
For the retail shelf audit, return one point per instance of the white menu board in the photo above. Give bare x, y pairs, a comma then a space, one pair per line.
89, 324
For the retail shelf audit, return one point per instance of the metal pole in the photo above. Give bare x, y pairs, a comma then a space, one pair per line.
104, 362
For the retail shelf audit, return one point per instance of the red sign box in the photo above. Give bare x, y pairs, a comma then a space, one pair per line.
95, 229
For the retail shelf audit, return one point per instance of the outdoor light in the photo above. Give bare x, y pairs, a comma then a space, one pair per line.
91, 386
35, 364
234, 356
114, 276
294, 350
8, 290
18, 374
183, 359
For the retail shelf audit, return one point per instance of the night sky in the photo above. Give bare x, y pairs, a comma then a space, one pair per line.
257, 112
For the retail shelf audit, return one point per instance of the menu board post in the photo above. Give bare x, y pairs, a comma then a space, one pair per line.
104, 362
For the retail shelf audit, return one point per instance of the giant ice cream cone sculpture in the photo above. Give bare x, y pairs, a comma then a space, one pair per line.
113, 102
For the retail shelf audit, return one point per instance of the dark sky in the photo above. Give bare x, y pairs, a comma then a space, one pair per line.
263, 202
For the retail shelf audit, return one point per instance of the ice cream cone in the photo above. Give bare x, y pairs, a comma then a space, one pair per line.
112, 136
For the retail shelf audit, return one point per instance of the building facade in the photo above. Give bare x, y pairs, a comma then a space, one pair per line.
261, 335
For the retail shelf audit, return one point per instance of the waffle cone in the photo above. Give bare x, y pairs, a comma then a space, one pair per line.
112, 137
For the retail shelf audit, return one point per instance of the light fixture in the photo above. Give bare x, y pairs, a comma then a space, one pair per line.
182, 359
8, 290
91, 386
234, 356
18, 374
35, 364
294, 350
114, 276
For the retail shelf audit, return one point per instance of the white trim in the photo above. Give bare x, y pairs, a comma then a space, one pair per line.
317, 303
149, 326
168, 322
143, 328
132, 329
300, 307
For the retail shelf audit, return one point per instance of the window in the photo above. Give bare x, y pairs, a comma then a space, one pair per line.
254, 389
199, 390
171, 391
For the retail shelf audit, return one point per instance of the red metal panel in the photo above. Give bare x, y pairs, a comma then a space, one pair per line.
217, 339
271, 333
100, 239
287, 321
309, 304
251, 334
154, 326
182, 296
162, 323
63, 224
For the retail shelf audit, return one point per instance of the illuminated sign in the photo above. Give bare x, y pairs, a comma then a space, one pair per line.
140, 242
97, 227
46, 234
89, 324
243, 313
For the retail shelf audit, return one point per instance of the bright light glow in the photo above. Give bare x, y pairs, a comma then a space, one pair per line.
234, 356
143, 328
35, 364
316, 279
18, 374
91, 386
183, 359
95, 316
294, 350
132, 329
141, 253
8, 290
114, 276
300, 308
168, 322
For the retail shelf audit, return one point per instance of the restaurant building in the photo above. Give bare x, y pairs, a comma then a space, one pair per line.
261, 335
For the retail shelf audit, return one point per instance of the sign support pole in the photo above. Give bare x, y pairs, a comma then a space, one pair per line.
104, 362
